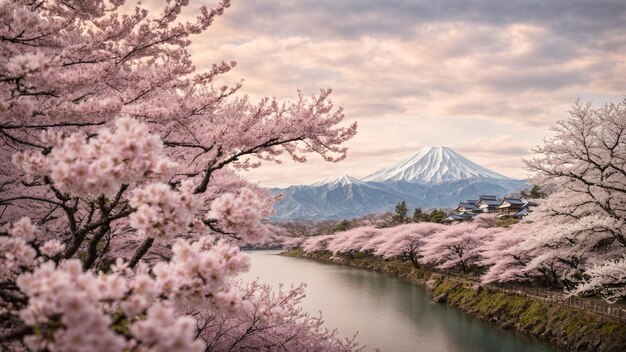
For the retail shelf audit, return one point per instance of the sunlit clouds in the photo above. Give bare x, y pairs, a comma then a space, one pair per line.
486, 78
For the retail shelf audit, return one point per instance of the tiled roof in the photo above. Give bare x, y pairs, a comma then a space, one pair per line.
520, 214
515, 201
523, 212
490, 202
483, 196
512, 201
468, 205
459, 217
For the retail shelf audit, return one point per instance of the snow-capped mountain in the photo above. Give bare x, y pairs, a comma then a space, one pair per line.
433, 165
340, 180
436, 177
334, 200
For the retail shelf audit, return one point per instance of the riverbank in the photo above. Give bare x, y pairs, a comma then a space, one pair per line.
566, 327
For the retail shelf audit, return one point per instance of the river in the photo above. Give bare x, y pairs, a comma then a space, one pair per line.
388, 313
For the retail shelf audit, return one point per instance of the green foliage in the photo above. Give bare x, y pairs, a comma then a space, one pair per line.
401, 214
343, 226
572, 327
359, 255
419, 216
505, 222
534, 193
436, 216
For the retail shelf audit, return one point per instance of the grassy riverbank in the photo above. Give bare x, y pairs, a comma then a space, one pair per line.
566, 327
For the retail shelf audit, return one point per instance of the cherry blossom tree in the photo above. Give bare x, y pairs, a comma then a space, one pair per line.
273, 320
376, 242
608, 279
584, 163
120, 204
300, 228
458, 246
317, 243
572, 246
504, 257
290, 243
353, 240
406, 241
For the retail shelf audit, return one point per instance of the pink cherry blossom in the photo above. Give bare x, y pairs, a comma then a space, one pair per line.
121, 152
103, 163
242, 214
162, 212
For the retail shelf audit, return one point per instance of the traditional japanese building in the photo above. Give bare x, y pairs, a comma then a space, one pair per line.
513, 207
460, 217
505, 207
467, 207
487, 204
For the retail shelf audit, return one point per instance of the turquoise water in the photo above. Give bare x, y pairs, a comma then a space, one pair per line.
388, 313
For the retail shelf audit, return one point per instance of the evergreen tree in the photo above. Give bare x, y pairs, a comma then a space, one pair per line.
343, 226
535, 192
418, 215
401, 215
437, 216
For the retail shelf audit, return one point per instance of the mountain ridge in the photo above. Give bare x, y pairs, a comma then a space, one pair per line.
432, 165
434, 177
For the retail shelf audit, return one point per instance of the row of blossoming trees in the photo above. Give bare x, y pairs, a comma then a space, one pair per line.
575, 240
120, 210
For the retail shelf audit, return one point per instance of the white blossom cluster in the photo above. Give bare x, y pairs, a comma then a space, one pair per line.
608, 278
573, 241
161, 212
197, 274
103, 83
242, 214
71, 298
20, 65
164, 333
100, 164
27, 20
51, 247
81, 310
15, 250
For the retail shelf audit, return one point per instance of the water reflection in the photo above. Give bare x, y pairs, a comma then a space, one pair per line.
389, 313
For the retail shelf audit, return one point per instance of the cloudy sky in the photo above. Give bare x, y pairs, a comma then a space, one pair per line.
486, 78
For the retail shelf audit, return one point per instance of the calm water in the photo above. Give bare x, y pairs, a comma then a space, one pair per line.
388, 313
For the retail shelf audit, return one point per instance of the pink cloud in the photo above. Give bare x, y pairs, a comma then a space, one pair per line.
486, 84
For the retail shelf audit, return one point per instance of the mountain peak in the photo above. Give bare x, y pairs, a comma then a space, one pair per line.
338, 180
433, 165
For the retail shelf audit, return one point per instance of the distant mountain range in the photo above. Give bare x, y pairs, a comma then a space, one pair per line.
434, 177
